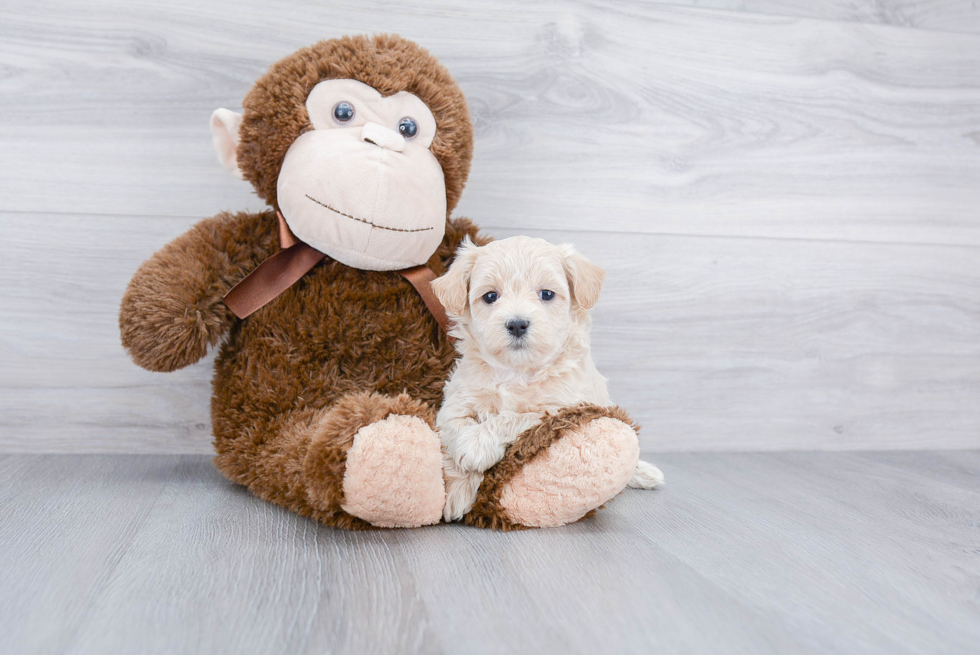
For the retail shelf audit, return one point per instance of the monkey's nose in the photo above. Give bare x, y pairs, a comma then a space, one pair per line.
517, 326
381, 136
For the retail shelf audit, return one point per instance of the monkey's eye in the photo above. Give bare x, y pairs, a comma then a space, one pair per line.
408, 128
546, 295
490, 297
343, 112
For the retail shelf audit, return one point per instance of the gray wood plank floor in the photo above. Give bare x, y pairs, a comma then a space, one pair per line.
739, 553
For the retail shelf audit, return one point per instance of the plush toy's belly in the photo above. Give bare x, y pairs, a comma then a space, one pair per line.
338, 331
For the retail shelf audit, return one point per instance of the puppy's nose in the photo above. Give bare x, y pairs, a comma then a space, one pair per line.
517, 326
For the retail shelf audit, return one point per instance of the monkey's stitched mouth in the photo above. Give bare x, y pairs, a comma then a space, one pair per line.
364, 220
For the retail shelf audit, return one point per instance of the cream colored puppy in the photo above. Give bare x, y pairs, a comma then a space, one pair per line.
521, 313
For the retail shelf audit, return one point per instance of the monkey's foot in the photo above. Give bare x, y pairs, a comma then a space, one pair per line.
559, 471
375, 461
394, 474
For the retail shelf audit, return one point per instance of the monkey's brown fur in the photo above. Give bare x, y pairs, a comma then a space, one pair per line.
340, 349
487, 511
275, 109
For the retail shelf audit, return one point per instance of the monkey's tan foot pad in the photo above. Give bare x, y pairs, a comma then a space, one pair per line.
582, 458
587, 468
394, 474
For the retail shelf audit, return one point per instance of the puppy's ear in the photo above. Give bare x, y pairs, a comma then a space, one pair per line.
584, 277
453, 288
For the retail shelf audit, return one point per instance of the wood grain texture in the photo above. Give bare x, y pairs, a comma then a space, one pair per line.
739, 553
786, 205
942, 15
621, 115
711, 343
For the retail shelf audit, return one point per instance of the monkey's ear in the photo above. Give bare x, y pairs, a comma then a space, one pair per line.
584, 277
224, 133
453, 288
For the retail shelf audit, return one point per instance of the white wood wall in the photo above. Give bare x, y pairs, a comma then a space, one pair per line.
786, 197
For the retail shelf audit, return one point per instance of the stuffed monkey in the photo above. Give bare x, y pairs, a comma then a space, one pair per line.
332, 360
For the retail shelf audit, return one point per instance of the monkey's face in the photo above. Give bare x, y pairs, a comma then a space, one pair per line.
342, 138
361, 185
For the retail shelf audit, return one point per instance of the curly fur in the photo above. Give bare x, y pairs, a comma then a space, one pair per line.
172, 311
487, 511
326, 459
275, 113
340, 349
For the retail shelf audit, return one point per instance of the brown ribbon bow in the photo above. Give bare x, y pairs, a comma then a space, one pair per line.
293, 261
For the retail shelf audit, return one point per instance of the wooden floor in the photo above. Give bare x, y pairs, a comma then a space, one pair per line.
784, 195
739, 553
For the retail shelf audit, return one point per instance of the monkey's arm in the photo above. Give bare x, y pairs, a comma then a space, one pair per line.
172, 309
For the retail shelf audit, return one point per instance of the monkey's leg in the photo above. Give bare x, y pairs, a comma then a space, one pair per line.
368, 460
559, 471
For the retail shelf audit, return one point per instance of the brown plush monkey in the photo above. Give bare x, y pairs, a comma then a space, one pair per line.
325, 397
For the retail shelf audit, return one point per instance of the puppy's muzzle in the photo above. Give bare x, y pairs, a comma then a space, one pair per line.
517, 327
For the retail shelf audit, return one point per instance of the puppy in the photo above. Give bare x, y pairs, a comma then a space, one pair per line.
521, 313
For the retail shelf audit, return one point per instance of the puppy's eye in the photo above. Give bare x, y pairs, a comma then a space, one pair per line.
343, 112
490, 297
546, 295
408, 128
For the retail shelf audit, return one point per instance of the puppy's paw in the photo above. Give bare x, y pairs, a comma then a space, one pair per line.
461, 490
479, 448
481, 459
646, 476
